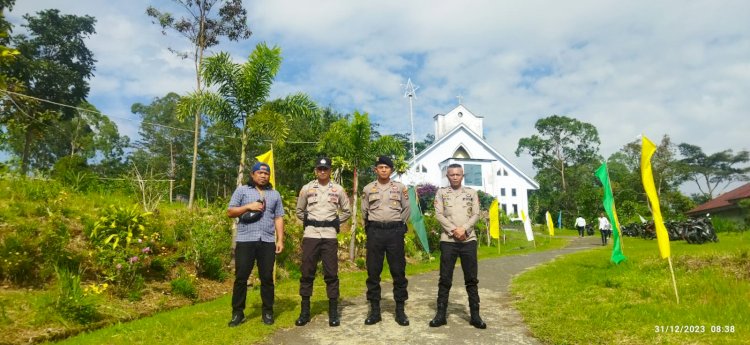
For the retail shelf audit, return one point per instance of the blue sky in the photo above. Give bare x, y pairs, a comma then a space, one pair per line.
680, 68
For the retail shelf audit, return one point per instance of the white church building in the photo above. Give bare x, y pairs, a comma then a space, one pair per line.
459, 138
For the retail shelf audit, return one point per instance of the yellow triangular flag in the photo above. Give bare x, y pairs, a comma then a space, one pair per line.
494, 220
268, 159
647, 177
550, 225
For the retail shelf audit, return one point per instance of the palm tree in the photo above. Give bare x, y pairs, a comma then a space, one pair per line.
242, 98
352, 141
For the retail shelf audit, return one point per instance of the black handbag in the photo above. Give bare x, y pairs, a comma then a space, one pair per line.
251, 216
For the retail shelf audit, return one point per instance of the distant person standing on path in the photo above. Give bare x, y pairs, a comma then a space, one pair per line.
260, 236
580, 225
604, 228
385, 210
318, 207
457, 210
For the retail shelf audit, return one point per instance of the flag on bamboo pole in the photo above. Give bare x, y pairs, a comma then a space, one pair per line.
494, 220
527, 227
417, 220
550, 224
647, 177
609, 207
268, 159
559, 219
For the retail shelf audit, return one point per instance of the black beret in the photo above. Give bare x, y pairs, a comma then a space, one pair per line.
384, 160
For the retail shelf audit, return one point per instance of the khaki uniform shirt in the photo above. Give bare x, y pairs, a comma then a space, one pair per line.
457, 208
322, 203
385, 202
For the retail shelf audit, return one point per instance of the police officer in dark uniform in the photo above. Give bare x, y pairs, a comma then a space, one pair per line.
318, 207
385, 210
457, 210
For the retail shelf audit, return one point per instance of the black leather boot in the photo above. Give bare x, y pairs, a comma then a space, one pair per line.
304, 314
439, 318
333, 312
374, 316
476, 320
401, 318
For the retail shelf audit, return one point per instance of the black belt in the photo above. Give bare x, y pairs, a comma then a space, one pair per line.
336, 223
387, 225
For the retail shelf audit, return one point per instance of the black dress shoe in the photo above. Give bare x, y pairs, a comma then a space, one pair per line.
268, 318
237, 319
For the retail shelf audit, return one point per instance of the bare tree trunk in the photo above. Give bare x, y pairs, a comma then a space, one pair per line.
26, 149
195, 159
353, 240
197, 61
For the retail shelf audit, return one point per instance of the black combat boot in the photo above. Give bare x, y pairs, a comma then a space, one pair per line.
476, 320
304, 314
401, 318
333, 312
439, 318
374, 316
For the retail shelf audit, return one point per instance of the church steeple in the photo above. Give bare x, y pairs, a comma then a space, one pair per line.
444, 123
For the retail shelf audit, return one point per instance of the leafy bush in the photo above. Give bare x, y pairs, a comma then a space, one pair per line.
72, 303
210, 242
21, 260
118, 224
727, 225
184, 285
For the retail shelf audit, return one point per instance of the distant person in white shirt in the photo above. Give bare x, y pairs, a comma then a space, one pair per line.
580, 225
605, 228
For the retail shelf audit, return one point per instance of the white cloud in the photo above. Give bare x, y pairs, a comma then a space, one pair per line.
628, 67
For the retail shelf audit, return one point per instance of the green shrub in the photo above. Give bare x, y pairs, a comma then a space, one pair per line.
727, 225
184, 285
210, 242
71, 303
20, 260
119, 224
361, 263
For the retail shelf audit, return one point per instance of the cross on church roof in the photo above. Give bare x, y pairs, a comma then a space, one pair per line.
460, 99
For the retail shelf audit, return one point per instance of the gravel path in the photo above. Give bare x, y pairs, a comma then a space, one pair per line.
504, 324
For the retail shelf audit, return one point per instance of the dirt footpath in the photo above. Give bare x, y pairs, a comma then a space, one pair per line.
504, 323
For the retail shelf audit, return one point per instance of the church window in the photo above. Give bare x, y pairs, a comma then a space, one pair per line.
502, 191
473, 174
461, 153
505, 209
500, 172
422, 168
513, 192
515, 209
505, 172
460, 114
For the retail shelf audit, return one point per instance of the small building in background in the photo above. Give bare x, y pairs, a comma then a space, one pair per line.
725, 206
459, 139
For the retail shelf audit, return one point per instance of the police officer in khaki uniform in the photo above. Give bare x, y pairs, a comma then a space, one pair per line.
318, 207
385, 210
457, 210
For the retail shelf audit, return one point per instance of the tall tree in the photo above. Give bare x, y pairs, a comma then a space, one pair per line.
54, 64
166, 143
562, 141
709, 172
6, 53
352, 141
203, 28
242, 98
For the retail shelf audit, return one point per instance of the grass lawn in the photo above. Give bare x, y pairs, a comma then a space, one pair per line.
206, 323
582, 298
